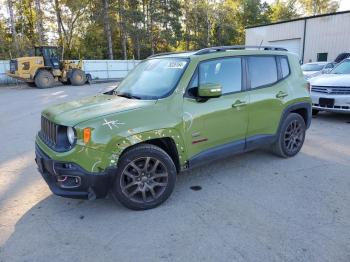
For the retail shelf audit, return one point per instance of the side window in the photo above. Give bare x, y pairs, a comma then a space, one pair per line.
262, 70
284, 66
227, 72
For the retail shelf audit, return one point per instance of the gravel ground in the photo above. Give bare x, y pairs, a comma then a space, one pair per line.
251, 207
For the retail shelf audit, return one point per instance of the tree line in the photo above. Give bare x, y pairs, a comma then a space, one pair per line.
135, 29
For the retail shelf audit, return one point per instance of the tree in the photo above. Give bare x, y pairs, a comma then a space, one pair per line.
107, 28
12, 25
315, 7
283, 10
39, 22
72, 22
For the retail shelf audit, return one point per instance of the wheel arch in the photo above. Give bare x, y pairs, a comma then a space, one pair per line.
169, 140
165, 143
302, 108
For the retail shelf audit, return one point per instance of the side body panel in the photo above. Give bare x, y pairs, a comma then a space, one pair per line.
27, 68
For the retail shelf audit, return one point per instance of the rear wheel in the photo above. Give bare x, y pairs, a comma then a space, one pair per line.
78, 77
145, 177
44, 79
291, 137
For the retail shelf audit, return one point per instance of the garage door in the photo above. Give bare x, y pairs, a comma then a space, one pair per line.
292, 45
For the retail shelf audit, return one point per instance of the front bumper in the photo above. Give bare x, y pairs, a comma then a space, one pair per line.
70, 180
341, 102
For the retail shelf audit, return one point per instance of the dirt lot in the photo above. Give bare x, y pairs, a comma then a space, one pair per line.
251, 207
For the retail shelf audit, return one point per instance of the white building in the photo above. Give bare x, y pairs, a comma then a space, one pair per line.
314, 38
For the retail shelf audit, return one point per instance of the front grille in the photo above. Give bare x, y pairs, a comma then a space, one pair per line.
332, 90
13, 66
48, 132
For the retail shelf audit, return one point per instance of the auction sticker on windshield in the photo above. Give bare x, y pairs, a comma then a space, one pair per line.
176, 64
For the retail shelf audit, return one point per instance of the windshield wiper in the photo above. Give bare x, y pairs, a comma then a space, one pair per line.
128, 95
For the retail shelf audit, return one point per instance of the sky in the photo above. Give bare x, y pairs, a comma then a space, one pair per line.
344, 4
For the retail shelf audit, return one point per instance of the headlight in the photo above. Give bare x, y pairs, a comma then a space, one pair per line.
70, 135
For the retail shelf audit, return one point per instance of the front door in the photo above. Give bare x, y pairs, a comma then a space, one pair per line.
217, 121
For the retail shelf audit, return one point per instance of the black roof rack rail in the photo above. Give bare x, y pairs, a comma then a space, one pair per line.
237, 47
168, 53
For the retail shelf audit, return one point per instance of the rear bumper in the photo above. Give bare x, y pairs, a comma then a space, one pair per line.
70, 180
27, 78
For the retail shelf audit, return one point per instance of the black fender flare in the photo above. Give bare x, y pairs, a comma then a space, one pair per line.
297, 106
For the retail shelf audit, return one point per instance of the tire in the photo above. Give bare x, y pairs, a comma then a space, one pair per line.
291, 136
315, 112
78, 77
145, 177
44, 79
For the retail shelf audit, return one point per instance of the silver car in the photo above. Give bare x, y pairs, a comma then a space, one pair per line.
331, 92
314, 69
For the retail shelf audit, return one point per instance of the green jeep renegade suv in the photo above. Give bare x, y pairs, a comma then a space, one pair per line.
173, 112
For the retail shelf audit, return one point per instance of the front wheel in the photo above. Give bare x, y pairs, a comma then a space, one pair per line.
291, 137
145, 177
78, 77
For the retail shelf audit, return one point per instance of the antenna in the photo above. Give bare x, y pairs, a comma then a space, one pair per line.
262, 40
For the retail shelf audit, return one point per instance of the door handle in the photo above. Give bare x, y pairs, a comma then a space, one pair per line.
239, 103
281, 94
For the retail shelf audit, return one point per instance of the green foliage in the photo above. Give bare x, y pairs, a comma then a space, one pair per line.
283, 10
139, 28
315, 7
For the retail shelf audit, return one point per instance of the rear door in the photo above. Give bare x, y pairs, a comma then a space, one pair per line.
268, 93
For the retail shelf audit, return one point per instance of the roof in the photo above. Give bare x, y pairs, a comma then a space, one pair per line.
216, 49
299, 19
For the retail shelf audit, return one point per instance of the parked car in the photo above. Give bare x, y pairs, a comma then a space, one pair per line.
171, 113
314, 69
331, 92
341, 57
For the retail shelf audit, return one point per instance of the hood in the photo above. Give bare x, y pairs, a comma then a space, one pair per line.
77, 111
331, 80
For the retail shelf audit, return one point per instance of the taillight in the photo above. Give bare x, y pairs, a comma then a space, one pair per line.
308, 87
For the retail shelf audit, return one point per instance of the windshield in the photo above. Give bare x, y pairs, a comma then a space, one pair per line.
50, 52
153, 79
312, 67
342, 68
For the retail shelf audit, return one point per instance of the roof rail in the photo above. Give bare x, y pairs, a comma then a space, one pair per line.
237, 47
168, 53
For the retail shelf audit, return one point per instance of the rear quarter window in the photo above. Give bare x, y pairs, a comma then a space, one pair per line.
284, 66
262, 71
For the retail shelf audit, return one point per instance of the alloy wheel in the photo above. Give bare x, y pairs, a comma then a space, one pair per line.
144, 179
294, 136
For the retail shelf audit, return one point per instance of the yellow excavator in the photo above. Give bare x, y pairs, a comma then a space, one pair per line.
45, 68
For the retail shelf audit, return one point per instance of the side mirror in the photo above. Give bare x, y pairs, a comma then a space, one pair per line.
209, 90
